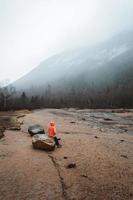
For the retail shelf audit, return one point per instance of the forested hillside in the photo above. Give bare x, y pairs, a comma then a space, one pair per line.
100, 77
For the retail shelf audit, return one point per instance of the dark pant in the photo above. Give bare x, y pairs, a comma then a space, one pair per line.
56, 141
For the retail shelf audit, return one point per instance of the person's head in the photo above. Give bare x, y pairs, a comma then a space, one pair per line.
52, 123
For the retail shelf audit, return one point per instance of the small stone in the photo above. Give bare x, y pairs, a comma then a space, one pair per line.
124, 156
102, 130
67, 132
96, 137
71, 165
84, 176
122, 140
65, 157
107, 119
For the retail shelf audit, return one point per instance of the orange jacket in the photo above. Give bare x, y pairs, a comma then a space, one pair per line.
52, 130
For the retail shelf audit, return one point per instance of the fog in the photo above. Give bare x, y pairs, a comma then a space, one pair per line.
31, 31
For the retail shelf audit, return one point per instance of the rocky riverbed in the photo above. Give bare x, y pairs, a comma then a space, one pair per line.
95, 161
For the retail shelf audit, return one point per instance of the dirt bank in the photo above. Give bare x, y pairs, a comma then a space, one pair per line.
102, 152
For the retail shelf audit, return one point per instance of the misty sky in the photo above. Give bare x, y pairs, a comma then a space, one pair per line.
32, 30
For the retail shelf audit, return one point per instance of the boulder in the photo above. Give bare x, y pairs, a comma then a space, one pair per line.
41, 141
35, 129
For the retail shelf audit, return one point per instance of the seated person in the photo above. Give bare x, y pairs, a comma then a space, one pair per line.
52, 133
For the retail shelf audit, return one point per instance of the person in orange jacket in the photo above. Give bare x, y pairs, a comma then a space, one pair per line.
52, 133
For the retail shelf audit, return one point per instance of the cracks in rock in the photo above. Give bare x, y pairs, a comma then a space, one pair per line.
63, 185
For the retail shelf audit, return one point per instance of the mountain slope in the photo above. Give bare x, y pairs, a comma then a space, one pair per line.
100, 65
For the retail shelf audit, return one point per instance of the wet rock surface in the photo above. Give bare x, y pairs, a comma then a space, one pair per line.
118, 121
36, 129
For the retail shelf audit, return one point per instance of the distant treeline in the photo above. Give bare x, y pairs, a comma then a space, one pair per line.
115, 96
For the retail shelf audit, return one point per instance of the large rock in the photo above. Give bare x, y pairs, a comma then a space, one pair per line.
35, 129
43, 142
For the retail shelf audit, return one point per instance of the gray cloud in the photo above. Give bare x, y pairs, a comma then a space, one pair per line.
34, 30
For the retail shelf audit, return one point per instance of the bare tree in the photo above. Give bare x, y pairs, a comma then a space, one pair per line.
6, 94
